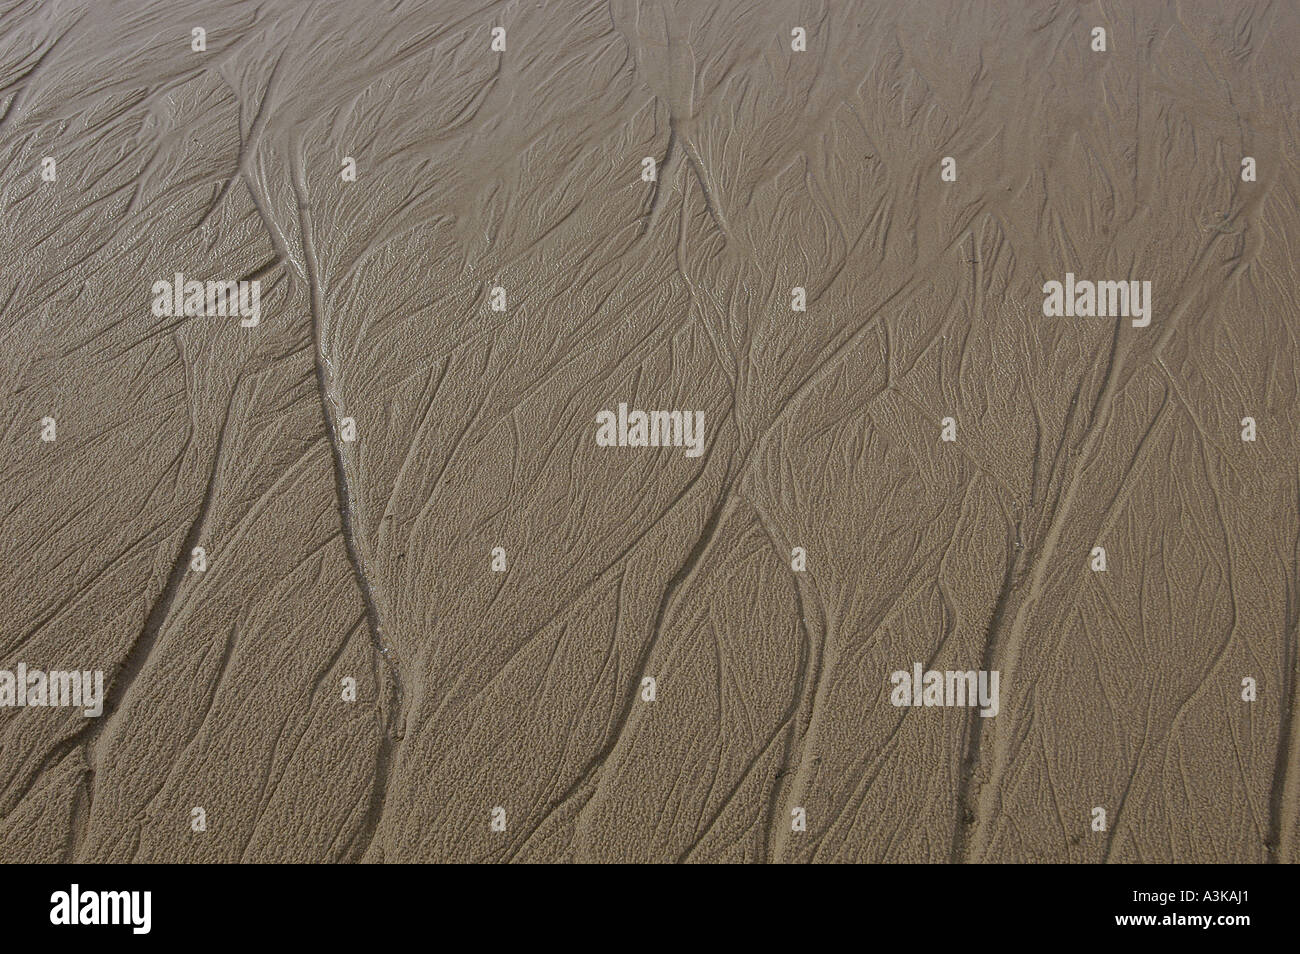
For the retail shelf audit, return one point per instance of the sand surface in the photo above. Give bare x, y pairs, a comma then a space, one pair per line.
350, 464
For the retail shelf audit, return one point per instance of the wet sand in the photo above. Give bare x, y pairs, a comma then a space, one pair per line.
394, 572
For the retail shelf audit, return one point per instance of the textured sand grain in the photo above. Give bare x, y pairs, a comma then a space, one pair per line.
371, 559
